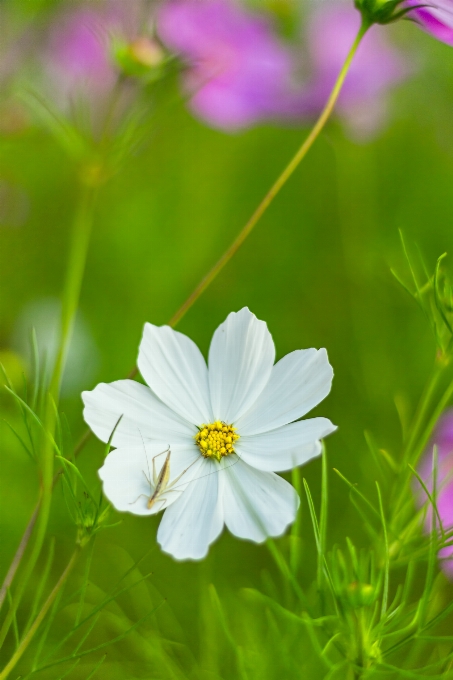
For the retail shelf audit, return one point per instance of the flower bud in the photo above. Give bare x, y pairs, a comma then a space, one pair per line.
358, 594
380, 11
142, 57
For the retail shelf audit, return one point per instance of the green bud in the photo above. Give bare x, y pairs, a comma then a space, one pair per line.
141, 58
358, 594
380, 11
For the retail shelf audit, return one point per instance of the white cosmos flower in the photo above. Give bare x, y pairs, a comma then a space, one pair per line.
229, 473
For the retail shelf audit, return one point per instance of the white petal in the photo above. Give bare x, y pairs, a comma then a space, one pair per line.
144, 415
174, 368
189, 526
241, 356
128, 479
257, 504
297, 384
286, 447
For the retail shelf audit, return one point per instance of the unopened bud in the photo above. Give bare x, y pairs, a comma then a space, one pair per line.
140, 58
360, 594
380, 11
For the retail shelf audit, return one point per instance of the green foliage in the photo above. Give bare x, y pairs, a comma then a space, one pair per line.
354, 590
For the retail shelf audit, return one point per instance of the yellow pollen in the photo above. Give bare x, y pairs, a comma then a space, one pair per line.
216, 440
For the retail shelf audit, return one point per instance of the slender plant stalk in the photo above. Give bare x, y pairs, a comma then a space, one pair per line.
422, 409
276, 187
19, 554
233, 248
70, 299
37, 622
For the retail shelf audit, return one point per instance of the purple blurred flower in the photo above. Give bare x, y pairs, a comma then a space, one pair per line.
436, 18
79, 59
377, 66
239, 72
443, 439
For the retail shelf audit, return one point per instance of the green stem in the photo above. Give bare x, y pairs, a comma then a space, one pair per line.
295, 550
285, 571
422, 409
70, 299
37, 622
276, 187
426, 434
412, 450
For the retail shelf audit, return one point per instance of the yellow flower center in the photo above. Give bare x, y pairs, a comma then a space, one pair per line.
216, 440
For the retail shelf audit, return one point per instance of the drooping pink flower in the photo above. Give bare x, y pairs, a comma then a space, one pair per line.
436, 17
239, 72
377, 67
442, 439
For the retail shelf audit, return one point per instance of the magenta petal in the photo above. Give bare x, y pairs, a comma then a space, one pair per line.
436, 18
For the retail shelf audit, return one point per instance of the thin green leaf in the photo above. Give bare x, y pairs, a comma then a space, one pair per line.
35, 368
354, 488
94, 611
96, 668
21, 441
86, 576
430, 498
14, 623
41, 585
109, 443
86, 634
323, 515
385, 592
439, 305
113, 641
70, 669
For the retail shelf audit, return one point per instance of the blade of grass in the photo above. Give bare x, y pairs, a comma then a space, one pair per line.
103, 645
41, 585
86, 576
385, 592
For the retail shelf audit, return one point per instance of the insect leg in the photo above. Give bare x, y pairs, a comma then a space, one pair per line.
142, 494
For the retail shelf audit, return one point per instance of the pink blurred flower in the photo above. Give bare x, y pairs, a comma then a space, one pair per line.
376, 68
443, 439
79, 58
239, 72
436, 18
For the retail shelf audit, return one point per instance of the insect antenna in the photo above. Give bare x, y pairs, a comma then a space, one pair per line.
146, 456
208, 474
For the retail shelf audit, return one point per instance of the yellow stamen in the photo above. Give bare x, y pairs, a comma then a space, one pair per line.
216, 440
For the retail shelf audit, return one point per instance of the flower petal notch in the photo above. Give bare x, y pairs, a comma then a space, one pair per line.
204, 443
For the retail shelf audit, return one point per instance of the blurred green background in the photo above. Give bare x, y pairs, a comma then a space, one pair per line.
316, 268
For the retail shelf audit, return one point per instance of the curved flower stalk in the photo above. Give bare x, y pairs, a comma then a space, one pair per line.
442, 442
378, 67
229, 427
240, 72
435, 17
